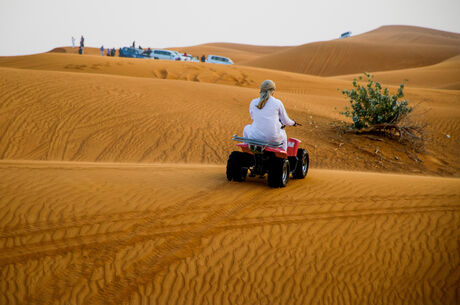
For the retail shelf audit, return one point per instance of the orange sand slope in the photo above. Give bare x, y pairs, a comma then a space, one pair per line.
445, 75
237, 52
70, 50
48, 115
387, 48
384, 49
235, 75
175, 234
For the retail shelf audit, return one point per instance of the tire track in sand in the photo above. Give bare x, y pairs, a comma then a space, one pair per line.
111, 249
26, 251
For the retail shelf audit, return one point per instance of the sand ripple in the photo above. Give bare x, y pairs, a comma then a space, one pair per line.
113, 234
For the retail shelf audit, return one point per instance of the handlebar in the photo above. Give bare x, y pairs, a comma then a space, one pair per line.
296, 124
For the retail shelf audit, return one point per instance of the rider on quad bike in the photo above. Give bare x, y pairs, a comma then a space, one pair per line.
265, 147
268, 115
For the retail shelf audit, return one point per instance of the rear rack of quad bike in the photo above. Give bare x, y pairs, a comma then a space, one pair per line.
256, 146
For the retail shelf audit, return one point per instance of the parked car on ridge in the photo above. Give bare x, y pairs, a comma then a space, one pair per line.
345, 35
214, 59
131, 52
166, 54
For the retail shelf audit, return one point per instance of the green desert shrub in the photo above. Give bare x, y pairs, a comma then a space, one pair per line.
370, 106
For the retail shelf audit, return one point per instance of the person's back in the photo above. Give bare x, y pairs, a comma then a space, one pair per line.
266, 120
268, 115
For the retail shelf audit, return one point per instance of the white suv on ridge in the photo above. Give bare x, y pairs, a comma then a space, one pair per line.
214, 59
166, 54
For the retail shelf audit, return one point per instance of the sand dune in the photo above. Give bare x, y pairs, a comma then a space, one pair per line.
234, 75
113, 188
445, 75
247, 47
93, 117
70, 50
384, 49
387, 48
123, 234
237, 52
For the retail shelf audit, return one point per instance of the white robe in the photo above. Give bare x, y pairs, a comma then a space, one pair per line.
266, 125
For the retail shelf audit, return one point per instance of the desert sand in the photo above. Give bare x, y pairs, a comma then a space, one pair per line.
113, 187
443, 75
386, 48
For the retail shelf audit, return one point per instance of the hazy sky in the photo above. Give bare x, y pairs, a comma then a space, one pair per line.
33, 26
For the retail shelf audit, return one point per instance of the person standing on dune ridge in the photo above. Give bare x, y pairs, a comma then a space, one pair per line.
268, 115
73, 42
102, 50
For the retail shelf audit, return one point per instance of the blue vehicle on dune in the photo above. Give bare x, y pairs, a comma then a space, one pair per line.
133, 52
345, 35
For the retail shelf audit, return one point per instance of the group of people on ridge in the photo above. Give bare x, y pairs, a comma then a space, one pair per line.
82, 44
110, 52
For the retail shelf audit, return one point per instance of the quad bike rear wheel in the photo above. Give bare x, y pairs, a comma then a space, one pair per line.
278, 174
236, 169
303, 161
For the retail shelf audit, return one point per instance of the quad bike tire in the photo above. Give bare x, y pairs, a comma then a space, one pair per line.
278, 173
236, 169
303, 162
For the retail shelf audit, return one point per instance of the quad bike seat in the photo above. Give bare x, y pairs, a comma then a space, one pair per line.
255, 146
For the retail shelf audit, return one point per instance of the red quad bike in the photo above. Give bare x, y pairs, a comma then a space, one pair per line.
261, 157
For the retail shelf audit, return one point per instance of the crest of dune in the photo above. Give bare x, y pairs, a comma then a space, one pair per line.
386, 48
